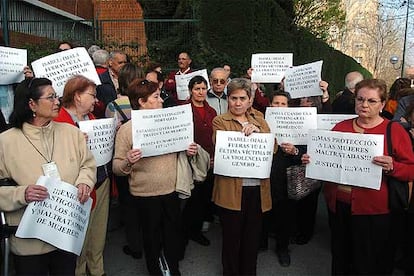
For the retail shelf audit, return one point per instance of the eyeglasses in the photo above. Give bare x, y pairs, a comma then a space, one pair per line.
217, 81
93, 95
51, 97
361, 100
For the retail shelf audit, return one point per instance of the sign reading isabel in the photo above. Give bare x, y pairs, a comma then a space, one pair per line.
181, 82
161, 131
12, 61
243, 156
270, 67
61, 66
291, 124
60, 220
345, 158
101, 138
328, 121
303, 80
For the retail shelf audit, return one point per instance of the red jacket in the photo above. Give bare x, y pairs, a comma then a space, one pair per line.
366, 201
203, 127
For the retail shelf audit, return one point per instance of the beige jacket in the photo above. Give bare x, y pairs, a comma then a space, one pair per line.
20, 161
190, 169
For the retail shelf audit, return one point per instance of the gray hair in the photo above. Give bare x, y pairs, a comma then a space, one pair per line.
93, 49
240, 83
218, 69
352, 78
100, 57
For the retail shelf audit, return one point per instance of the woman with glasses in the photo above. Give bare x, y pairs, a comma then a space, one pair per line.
359, 217
152, 182
34, 141
78, 101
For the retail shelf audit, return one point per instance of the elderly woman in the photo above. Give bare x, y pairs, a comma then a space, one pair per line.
241, 200
79, 98
33, 141
197, 206
152, 182
360, 217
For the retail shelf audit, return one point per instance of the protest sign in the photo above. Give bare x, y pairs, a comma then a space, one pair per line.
270, 67
161, 131
345, 158
101, 136
303, 81
6, 100
328, 121
12, 61
61, 66
60, 220
291, 124
181, 83
238, 155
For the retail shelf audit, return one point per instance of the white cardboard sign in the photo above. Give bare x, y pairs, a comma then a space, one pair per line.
345, 158
101, 138
60, 220
238, 155
61, 66
291, 124
12, 61
303, 80
270, 68
162, 131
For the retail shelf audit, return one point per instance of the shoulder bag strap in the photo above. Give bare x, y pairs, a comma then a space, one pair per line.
388, 137
124, 117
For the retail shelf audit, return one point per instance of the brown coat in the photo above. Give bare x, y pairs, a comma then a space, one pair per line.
227, 191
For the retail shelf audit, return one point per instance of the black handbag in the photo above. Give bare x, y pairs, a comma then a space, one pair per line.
299, 186
398, 191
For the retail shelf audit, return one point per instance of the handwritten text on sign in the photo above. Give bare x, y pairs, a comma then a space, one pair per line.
60, 220
101, 136
345, 158
303, 81
161, 131
270, 67
243, 156
61, 66
181, 82
291, 124
12, 61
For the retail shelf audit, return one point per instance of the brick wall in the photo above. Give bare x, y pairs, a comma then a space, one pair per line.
114, 33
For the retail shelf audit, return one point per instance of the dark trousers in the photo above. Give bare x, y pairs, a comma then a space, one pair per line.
197, 206
283, 219
241, 234
306, 215
359, 243
57, 262
129, 214
162, 230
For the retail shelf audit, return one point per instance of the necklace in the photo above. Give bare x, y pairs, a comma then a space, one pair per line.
49, 155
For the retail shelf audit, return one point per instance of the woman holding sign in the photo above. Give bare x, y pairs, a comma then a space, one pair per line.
152, 182
241, 200
79, 99
36, 146
359, 218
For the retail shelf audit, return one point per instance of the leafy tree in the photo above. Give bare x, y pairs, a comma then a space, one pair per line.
319, 16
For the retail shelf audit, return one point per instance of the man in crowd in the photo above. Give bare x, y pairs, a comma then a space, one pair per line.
216, 97
107, 91
184, 63
100, 60
345, 102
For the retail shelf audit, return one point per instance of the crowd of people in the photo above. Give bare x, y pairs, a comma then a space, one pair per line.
158, 223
